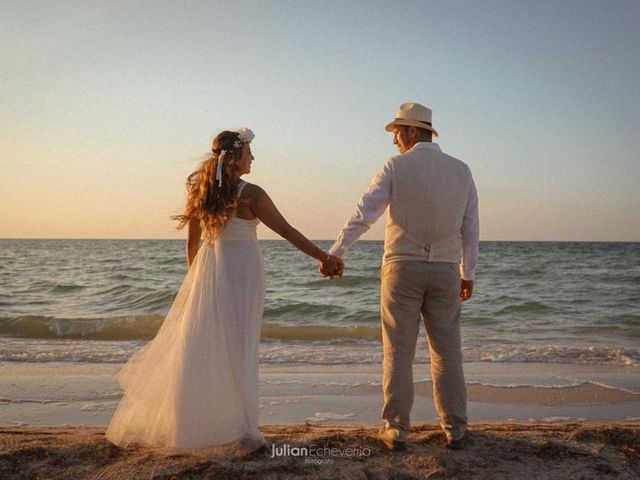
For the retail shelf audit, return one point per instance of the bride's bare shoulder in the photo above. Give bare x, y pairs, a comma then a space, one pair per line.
253, 190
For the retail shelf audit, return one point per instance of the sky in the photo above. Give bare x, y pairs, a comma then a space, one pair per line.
108, 106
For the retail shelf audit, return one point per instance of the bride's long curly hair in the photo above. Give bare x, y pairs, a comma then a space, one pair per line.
206, 201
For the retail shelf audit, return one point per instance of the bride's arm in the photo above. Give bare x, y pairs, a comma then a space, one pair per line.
193, 240
264, 208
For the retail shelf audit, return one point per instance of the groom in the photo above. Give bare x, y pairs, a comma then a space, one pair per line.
430, 255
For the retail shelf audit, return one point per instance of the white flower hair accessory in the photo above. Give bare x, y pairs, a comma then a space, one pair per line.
245, 135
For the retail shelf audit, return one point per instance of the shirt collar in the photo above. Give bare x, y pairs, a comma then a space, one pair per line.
432, 145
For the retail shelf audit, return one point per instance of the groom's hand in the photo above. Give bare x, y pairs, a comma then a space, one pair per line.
466, 289
332, 267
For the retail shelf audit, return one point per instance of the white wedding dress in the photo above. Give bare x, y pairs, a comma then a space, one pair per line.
195, 385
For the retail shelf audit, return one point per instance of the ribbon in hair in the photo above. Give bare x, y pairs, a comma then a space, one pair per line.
219, 168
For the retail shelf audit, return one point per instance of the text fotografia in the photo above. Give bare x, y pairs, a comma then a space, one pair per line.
318, 454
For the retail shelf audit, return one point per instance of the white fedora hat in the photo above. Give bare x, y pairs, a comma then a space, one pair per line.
412, 115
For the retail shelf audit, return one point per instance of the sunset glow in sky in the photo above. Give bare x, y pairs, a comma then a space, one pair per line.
108, 106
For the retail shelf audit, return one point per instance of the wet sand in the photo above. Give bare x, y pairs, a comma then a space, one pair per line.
350, 451
68, 394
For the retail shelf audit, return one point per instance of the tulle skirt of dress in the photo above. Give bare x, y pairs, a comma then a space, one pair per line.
195, 385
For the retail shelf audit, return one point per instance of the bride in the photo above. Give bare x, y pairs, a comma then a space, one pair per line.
195, 385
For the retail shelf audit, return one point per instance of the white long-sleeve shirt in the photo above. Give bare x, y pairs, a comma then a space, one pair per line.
375, 201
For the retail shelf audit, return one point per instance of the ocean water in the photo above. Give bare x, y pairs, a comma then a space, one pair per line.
98, 301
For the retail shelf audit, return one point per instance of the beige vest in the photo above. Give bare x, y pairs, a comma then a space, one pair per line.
429, 194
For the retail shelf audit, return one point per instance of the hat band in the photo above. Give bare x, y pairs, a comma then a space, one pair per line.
421, 121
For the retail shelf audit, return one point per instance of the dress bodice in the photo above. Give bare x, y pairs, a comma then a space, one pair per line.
239, 228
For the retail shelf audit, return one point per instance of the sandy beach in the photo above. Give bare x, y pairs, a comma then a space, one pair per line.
497, 451
528, 421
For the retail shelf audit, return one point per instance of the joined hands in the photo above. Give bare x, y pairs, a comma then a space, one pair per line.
332, 267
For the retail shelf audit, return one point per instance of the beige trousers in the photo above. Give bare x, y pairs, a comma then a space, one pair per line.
432, 290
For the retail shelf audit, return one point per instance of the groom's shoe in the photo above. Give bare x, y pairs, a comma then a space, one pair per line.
393, 438
460, 443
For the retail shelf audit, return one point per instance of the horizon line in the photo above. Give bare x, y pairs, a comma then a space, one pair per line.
311, 239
